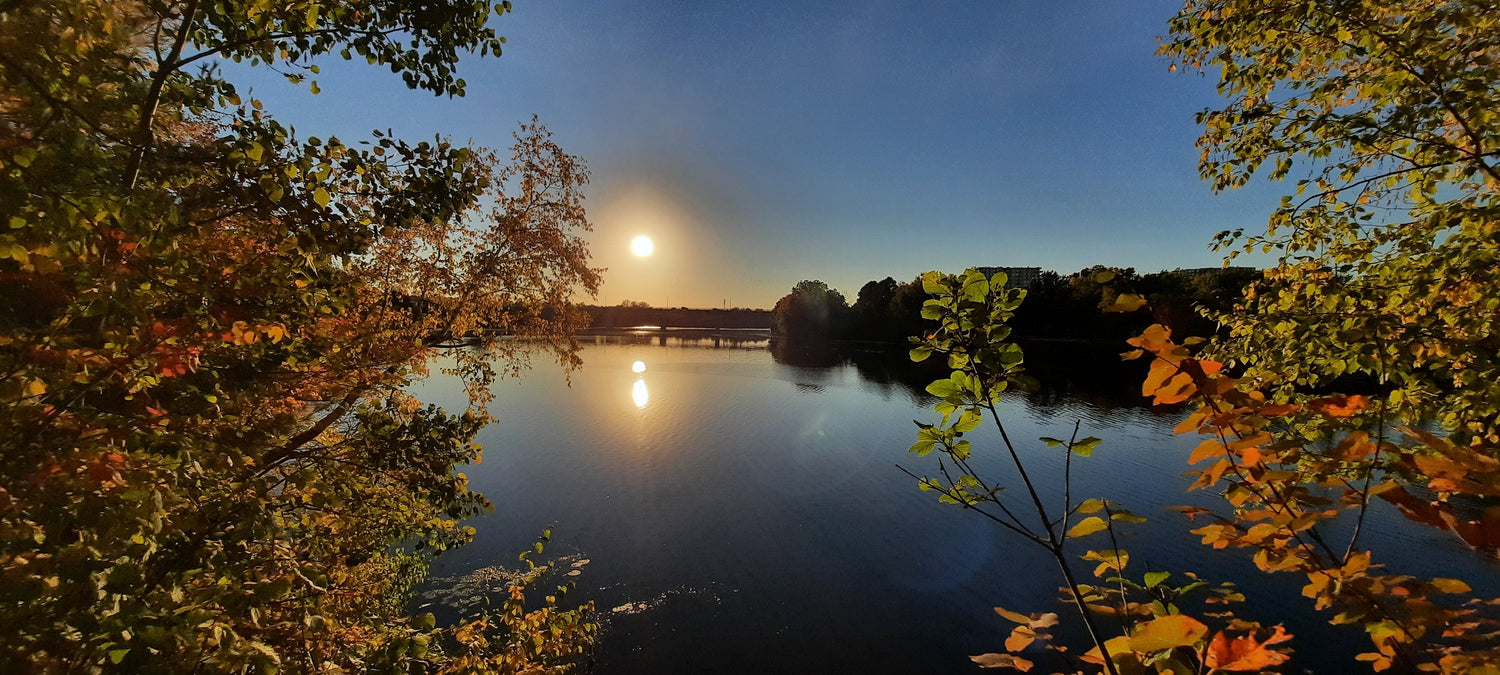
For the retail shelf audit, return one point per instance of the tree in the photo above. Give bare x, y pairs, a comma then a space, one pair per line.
872, 313
811, 312
875, 297
206, 327
1386, 256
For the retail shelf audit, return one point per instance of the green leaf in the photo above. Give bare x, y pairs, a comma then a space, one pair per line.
969, 420
1052, 442
932, 283
321, 197
920, 354
118, 655
1154, 579
976, 288
944, 388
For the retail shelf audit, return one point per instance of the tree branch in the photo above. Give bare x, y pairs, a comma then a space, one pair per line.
164, 70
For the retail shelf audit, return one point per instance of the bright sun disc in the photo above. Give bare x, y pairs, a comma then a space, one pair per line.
638, 366
642, 246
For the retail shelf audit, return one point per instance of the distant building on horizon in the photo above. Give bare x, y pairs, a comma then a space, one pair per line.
1015, 277
1199, 271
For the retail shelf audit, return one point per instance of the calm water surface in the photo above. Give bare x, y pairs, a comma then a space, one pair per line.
744, 514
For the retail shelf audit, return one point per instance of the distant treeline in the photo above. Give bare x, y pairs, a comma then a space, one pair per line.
1056, 306
631, 314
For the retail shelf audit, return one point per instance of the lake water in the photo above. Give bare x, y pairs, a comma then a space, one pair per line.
742, 511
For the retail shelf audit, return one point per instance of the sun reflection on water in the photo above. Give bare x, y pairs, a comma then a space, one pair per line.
639, 394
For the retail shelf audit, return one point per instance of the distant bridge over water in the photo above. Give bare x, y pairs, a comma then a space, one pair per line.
666, 318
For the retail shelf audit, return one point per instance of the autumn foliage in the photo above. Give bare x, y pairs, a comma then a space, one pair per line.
209, 462
1359, 372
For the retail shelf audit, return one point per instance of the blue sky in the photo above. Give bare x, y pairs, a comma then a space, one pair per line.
760, 144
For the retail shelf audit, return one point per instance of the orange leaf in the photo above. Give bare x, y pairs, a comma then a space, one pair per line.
1337, 406
1153, 339
1245, 653
1278, 409
1194, 421
1161, 371
1208, 449
1355, 446
1019, 639
1178, 389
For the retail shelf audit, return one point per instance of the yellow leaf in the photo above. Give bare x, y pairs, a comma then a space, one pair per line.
1115, 645
1087, 526
1168, 632
1013, 616
1451, 585
1126, 302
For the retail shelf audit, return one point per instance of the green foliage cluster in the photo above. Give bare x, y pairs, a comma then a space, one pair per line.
1387, 248
209, 463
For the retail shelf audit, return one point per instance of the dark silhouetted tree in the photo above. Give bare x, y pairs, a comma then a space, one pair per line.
811, 312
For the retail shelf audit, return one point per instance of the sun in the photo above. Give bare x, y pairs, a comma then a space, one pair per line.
642, 246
